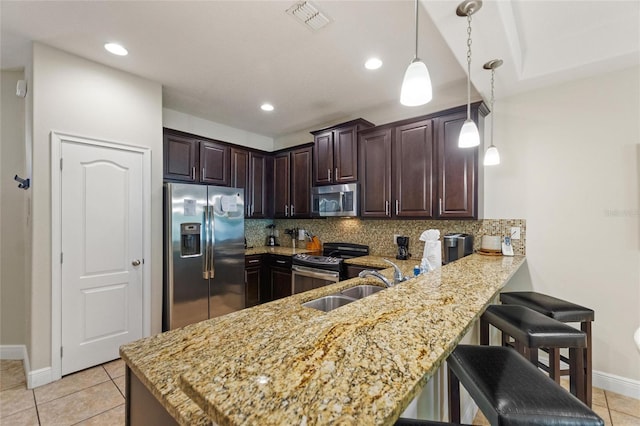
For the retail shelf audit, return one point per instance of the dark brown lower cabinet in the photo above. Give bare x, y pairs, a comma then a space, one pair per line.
280, 276
252, 279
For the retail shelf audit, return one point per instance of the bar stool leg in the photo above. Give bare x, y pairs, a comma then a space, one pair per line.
484, 331
577, 373
585, 326
454, 397
554, 364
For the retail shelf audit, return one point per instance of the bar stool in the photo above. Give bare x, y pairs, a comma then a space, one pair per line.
563, 311
531, 331
509, 390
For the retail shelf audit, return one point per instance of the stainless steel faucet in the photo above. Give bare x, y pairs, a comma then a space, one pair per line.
376, 274
397, 273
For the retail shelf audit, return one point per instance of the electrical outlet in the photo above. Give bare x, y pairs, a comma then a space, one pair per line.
395, 238
515, 232
276, 233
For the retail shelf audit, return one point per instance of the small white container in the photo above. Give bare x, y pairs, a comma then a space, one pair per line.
491, 243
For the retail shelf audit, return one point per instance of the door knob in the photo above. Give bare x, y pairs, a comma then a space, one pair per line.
136, 262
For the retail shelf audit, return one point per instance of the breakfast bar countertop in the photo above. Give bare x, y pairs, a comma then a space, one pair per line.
281, 363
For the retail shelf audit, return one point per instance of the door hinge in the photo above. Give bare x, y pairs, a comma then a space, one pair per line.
61, 257
61, 164
61, 351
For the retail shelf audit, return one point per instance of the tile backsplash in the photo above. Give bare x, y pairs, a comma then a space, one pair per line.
378, 234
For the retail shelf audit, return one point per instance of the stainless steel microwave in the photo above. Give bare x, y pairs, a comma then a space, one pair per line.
335, 200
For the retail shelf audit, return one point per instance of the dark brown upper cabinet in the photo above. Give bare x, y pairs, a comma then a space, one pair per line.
458, 195
335, 158
396, 165
414, 168
188, 158
375, 172
249, 170
292, 183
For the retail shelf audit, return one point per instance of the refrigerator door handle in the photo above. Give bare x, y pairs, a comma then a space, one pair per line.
205, 230
212, 245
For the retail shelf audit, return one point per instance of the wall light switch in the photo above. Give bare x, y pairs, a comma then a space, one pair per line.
515, 232
395, 238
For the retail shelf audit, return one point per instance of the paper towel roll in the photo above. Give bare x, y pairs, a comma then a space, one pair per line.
433, 254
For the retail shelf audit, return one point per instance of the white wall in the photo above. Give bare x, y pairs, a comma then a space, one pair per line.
570, 167
77, 96
13, 207
210, 129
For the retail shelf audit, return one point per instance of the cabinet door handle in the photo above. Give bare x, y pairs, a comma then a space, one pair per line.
203, 175
245, 277
335, 176
386, 208
254, 261
329, 174
440, 206
282, 262
397, 207
193, 173
292, 210
286, 210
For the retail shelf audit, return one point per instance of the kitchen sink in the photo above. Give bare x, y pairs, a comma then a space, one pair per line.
329, 303
360, 291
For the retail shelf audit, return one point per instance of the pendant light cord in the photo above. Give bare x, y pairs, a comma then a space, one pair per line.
416, 55
493, 73
469, 66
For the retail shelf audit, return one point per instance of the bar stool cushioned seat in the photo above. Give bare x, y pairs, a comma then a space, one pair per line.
509, 390
563, 311
532, 331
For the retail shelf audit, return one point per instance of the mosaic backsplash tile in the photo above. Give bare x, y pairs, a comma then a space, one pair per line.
378, 234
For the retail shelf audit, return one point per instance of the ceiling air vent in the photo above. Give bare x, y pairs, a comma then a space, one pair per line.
309, 15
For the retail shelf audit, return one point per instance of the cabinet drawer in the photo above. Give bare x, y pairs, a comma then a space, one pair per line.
253, 260
280, 261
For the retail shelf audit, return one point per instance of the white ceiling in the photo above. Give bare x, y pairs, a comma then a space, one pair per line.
220, 60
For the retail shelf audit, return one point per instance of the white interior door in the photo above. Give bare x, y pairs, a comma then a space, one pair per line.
102, 248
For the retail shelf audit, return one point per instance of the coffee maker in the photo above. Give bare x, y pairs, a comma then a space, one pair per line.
456, 246
403, 248
271, 238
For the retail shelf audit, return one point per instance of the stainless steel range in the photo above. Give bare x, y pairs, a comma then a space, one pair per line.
314, 271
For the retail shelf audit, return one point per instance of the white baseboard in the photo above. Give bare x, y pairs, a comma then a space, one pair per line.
16, 352
34, 378
39, 377
13, 352
617, 384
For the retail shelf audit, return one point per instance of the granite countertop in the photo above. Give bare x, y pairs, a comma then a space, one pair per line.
285, 251
281, 363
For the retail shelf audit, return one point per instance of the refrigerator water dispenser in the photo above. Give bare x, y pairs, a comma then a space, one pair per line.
190, 239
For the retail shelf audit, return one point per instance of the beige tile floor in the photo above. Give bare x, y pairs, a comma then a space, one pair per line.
96, 397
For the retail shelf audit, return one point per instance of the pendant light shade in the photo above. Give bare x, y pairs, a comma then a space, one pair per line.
469, 135
416, 86
492, 156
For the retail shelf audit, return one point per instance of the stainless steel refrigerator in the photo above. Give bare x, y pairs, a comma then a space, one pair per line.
204, 253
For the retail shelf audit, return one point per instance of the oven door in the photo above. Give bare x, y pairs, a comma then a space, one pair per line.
304, 278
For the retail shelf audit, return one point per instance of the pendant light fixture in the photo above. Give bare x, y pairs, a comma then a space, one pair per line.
469, 135
492, 156
416, 86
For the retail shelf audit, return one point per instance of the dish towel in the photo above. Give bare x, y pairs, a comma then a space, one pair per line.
432, 254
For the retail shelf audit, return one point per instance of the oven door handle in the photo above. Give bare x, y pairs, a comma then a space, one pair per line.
313, 273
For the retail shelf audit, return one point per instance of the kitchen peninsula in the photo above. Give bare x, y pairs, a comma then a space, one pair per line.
281, 363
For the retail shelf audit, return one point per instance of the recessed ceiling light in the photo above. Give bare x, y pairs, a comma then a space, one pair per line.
373, 64
116, 49
266, 107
